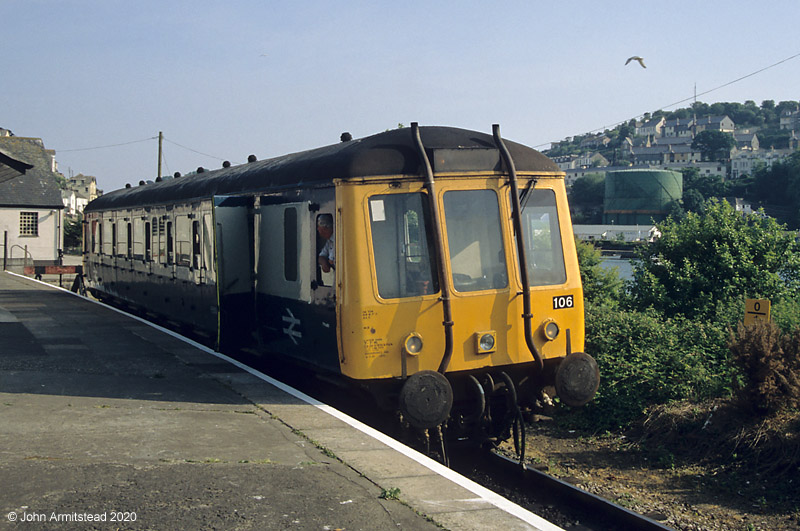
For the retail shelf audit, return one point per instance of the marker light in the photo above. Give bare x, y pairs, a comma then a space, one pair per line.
550, 329
485, 342
413, 344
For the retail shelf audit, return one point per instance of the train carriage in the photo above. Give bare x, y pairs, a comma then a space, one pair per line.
455, 294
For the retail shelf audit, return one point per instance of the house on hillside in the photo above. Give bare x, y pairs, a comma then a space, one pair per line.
740, 205
665, 154
677, 127
746, 163
714, 123
595, 141
591, 160
80, 191
31, 211
746, 141
651, 127
790, 119
566, 162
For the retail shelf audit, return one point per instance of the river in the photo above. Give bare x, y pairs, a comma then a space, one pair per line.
622, 265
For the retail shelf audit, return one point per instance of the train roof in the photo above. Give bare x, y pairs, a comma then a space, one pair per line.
388, 153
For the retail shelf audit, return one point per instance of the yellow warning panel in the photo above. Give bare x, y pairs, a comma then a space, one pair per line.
756, 310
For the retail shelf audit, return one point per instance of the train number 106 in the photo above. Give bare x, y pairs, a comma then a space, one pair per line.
563, 301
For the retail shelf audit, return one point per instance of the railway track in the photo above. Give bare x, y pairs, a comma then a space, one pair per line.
563, 503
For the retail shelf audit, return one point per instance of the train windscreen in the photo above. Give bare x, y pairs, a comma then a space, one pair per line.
477, 256
402, 246
543, 248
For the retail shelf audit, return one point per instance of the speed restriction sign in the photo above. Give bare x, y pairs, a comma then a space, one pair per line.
756, 310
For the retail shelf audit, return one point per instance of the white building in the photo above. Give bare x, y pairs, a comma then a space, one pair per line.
626, 233
31, 220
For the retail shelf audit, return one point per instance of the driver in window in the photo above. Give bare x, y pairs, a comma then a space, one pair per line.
327, 257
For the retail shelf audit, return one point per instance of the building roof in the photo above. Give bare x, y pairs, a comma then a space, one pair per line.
708, 120
38, 187
673, 140
11, 166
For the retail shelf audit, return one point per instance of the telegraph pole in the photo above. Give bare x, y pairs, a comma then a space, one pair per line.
160, 142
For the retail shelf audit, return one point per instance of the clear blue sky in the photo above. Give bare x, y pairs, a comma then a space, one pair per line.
257, 76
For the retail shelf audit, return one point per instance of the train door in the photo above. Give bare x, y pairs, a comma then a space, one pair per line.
295, 313
233, 239
283, 251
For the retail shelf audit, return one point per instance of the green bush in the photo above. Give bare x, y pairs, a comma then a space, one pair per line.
645, 359
704, 266
786, 314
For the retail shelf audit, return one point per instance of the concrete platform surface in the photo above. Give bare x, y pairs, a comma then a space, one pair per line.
107, 422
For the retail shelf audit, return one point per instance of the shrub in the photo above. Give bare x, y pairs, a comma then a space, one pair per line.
770, 363
645, 359
703, 264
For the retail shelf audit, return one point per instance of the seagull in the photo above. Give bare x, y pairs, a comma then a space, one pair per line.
636, 58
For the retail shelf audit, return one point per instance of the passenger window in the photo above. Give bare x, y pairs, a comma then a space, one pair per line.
208, 246
326, 249
162, 239
542, 233
97, 242
183, 240
170, 244
290, 252
148, 242
401, 242
477, 255
129, 241
113, 239
196, 256
138, 231
121, 244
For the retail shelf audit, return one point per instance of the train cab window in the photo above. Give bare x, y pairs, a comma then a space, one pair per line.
477, 255
542, 233
402, 246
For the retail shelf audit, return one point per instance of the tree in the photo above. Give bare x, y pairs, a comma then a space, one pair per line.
704, 266
73, 231
588, 190
780, 186
601, 287
714, 145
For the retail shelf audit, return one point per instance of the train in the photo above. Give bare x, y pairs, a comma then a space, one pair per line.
433, 267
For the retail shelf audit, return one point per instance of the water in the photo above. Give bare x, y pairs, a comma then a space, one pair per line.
623, 266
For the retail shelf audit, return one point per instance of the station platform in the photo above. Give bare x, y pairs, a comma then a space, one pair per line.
110, 422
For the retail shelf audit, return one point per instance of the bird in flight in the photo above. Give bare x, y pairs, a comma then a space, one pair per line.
636, 58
